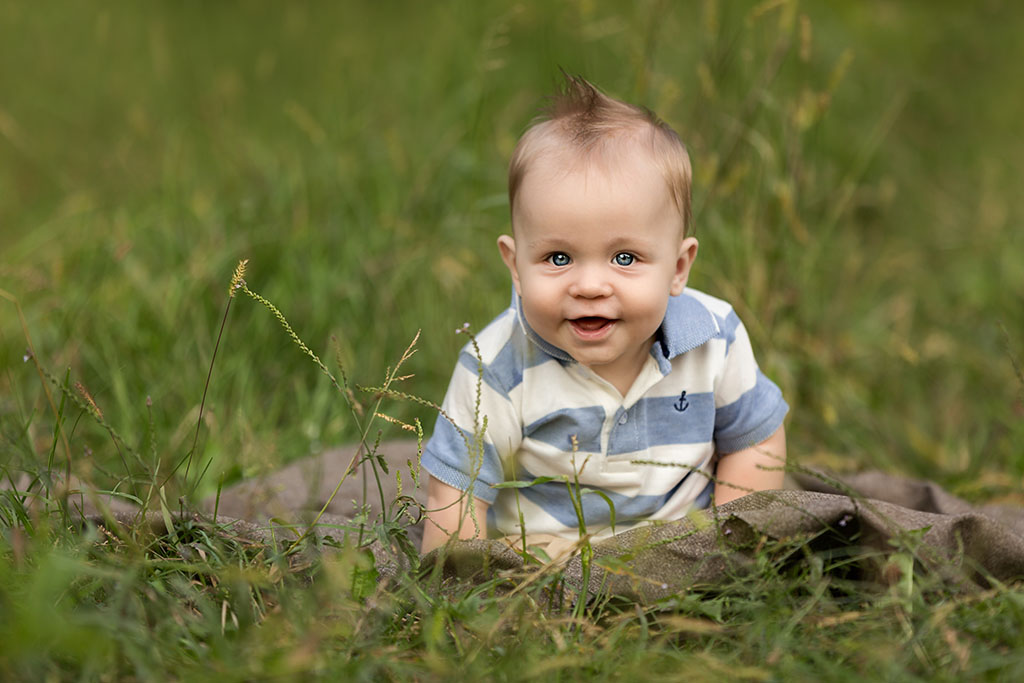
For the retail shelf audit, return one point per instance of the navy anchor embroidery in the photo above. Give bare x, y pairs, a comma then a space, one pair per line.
682, 404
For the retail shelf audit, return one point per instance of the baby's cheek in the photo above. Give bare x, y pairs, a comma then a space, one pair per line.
650, 294
533, 313
538, 299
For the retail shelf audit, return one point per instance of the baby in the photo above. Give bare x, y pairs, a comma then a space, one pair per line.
605, 375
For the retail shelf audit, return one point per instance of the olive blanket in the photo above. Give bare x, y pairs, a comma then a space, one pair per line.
872, 525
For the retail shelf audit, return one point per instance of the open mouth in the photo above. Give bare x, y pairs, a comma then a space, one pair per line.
591, 326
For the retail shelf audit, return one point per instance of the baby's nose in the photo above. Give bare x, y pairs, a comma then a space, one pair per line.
591, 282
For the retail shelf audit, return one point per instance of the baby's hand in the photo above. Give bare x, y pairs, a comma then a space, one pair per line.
447, 516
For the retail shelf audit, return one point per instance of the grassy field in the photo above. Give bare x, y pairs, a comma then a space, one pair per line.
857, 174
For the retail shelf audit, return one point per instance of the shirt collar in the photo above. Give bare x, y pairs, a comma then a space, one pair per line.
687, 325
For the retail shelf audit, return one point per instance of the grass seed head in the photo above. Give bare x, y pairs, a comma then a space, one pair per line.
88, 399
237, 281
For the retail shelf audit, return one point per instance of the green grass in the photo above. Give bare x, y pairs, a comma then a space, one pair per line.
856, 197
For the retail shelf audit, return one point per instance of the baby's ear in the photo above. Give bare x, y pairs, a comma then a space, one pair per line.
684, 261
507, 247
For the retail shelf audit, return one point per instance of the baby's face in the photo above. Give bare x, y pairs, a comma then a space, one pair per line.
597, 253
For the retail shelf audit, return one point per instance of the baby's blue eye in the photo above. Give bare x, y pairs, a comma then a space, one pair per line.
559, 259
624, 259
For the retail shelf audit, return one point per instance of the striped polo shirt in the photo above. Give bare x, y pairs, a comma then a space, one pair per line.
525, 411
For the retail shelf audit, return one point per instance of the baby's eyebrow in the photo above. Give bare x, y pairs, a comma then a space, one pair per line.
627, 243
634, 244
549, 243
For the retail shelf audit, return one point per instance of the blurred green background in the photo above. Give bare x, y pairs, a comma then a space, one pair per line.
857, 195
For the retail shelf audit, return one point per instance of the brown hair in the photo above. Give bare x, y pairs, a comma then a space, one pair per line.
583, 120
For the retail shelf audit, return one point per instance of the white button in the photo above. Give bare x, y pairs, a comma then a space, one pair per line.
623, 419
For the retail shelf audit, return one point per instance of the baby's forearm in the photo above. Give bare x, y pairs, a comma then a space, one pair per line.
446, 516
758, 468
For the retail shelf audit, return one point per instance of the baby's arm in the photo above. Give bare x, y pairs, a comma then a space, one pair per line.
445, 506
745, 469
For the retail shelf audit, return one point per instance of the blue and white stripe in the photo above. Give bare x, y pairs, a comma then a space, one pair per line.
647, 452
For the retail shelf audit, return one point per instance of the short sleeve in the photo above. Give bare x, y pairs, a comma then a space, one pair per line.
749, 407
462, 452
